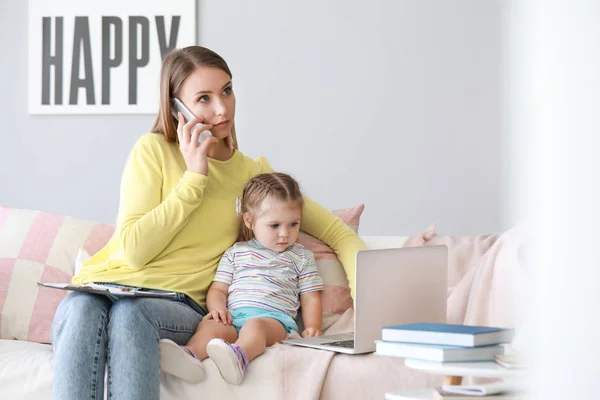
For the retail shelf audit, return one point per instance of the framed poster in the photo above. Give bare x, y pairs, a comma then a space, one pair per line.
103, 57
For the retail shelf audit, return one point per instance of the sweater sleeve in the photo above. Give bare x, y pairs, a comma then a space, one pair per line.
322, 224
146, 224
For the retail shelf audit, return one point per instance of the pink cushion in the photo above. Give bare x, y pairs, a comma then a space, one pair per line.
39, 247
335, 297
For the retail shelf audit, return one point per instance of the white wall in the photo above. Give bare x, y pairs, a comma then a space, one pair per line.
395, 104
555, 97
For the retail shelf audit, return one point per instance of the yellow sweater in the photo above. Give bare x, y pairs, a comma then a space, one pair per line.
174, 225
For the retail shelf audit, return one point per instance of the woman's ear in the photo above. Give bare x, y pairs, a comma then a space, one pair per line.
247, 220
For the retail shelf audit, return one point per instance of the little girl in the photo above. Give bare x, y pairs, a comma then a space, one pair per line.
260, 283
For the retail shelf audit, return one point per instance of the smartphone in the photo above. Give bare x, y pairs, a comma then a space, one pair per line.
178, 106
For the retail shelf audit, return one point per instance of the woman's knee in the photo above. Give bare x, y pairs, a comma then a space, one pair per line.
80, 314
127, 315
81, 305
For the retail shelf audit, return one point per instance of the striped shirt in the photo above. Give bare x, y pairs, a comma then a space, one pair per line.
263, 278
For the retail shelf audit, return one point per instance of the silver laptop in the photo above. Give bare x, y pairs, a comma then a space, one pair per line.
393, 287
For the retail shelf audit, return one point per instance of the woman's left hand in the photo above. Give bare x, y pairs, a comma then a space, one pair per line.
311, 332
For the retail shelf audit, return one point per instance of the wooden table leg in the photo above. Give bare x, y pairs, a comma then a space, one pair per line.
452, 380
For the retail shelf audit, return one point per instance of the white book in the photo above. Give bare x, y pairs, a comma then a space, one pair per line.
447, 334
483, 390
439, 353
439, 394
108, 290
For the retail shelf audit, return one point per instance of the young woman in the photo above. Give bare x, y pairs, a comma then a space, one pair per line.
177, 216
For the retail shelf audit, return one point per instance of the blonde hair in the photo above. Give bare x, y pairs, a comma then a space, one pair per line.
176, 67
277, 186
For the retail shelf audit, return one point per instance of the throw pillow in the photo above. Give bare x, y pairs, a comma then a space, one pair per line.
335, 297
39, 247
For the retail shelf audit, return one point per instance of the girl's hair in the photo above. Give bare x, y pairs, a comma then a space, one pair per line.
176, 67
276, 186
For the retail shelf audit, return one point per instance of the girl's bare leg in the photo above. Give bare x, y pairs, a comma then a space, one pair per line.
178, 361
259, 333
255, 336
209, 329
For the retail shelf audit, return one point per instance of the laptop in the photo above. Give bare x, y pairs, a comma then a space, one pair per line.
393, 287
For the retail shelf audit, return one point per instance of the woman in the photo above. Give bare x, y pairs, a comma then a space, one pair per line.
177, 215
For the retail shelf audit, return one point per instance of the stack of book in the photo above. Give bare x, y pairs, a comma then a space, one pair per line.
443, 342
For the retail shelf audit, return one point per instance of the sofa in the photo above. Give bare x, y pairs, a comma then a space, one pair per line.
36, 246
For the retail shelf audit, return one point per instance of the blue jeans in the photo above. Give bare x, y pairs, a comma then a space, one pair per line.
90, 330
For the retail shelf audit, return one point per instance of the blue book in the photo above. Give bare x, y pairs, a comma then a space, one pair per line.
447, 334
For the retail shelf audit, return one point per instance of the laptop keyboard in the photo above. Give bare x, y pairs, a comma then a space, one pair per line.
341, 343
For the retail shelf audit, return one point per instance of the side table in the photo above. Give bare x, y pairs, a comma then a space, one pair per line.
454, 373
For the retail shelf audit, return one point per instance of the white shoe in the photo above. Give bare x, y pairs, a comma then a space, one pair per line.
176, 361
229, 359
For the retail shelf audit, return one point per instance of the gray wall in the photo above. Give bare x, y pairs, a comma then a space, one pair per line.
395, 104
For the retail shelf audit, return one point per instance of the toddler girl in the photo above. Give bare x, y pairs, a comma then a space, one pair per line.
260, 283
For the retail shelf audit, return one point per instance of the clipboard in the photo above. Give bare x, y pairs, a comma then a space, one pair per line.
109, 291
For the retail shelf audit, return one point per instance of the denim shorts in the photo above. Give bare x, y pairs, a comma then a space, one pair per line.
244, 314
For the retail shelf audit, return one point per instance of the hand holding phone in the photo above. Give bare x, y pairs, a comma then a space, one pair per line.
192, 143
177, 106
